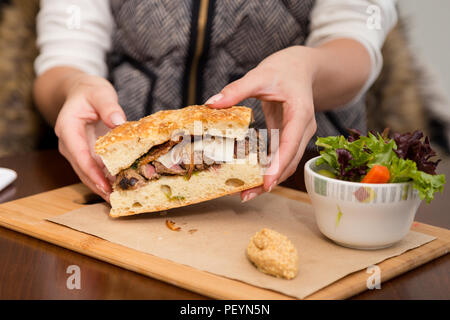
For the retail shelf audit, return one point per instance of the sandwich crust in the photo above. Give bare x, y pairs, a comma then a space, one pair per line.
124, 144
120, 148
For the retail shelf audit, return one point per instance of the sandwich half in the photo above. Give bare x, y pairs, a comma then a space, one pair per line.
175, 158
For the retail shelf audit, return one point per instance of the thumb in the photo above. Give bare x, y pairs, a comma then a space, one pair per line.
105, 102
248, 86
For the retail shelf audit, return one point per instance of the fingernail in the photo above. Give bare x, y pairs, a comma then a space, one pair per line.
214, 99
272, 185
250, 196
101, 189
117, 119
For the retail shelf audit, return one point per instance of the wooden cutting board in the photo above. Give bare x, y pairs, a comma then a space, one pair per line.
27, 215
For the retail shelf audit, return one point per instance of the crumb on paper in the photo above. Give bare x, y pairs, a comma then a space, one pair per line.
273, 253
171, 225
192, 231
160, 238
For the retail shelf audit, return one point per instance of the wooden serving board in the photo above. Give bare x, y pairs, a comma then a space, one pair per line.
27, 215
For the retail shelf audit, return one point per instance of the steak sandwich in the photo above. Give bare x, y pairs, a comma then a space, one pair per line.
174, 158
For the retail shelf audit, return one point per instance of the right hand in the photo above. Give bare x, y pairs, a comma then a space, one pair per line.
90, 100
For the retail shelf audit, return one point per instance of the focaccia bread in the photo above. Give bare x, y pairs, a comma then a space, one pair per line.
124, 144
165, 161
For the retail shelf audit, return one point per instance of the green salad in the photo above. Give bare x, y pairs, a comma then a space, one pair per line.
379, 158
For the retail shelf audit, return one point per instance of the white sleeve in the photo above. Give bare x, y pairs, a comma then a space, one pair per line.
74, 33
367, 21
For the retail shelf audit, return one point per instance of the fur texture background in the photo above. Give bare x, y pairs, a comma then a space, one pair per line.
394, 100
20, 124
404, 97
407, 96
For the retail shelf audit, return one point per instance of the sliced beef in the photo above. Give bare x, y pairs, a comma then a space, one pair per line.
129, 179
148, 171
241, 150
149, 168
157, 151
191, 165
195, 157
175, 169
201, 166
207, 162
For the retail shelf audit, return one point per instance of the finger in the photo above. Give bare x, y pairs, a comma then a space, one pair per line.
105, 102
108, 176
295, 120
273, 113
250, 194
91, 137
293, 165
95, 188
249, 86
77, 148
84, 179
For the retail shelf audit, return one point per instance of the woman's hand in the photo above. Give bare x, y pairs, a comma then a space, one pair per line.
283, 82
289, 84
89, 100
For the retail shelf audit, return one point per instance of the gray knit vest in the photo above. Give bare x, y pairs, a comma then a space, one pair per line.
168, 54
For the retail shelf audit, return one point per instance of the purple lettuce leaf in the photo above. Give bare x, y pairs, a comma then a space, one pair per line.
346, 170
354, 134
410, 146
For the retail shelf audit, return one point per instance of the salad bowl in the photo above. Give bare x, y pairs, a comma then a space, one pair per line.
361, 215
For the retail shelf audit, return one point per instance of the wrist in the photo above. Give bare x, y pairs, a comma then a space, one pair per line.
71, 81
318, 61
343, 66
307, 60
51, 90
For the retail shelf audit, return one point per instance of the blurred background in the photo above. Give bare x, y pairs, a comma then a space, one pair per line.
411, 92
428, 23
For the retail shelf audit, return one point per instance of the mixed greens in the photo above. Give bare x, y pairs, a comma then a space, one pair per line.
378, 158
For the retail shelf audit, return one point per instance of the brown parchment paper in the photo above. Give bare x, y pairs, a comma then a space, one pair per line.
223, 228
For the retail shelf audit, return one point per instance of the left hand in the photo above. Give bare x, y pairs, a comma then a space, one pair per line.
284, 84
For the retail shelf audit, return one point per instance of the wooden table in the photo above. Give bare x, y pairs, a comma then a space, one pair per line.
33, 269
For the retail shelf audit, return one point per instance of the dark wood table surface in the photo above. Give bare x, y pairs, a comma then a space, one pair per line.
34, 269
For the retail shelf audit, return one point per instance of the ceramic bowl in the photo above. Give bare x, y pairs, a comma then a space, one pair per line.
361, 215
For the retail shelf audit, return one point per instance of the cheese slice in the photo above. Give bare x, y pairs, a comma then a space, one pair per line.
219, 149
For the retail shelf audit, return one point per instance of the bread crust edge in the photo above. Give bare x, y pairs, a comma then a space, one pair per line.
183, 204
